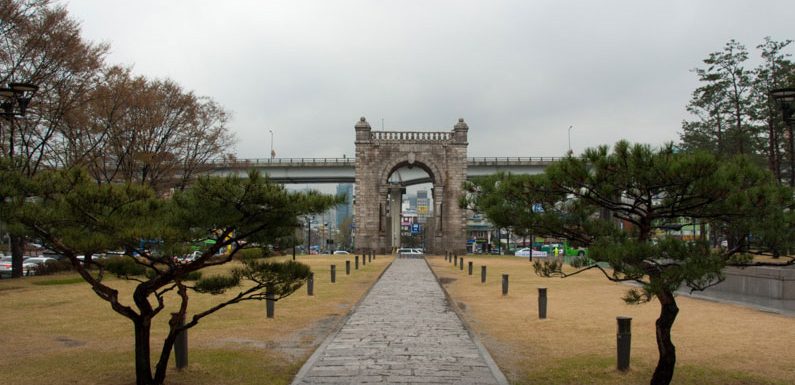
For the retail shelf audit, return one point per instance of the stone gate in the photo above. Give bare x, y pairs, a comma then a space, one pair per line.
443, 155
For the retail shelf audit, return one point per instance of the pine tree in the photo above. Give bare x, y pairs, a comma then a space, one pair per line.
618, 202
81, 220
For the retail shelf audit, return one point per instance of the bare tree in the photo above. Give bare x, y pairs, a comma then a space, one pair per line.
40, 44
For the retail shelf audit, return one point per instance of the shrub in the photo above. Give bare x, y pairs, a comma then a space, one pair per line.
52, 267
217, 284
252, 253
124, 266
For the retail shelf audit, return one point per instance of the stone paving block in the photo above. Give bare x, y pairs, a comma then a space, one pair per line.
403, 333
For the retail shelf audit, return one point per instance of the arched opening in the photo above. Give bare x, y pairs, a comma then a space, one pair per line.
409, 216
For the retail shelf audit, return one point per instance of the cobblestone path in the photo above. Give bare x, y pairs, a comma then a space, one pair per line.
402, 333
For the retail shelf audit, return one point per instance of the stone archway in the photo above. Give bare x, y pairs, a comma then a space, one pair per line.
379, 153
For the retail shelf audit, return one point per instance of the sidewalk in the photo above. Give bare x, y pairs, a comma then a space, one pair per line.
402, 333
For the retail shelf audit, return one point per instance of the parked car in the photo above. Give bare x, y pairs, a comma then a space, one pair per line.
409, 252
188, 258
30, 265
341, 252
5, 267
526, 252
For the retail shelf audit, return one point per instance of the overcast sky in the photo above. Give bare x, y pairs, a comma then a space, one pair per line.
519, 72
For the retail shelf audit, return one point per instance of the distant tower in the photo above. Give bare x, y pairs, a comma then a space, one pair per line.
346, 209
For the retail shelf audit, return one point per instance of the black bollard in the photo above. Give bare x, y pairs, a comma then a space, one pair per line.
270, 302
542, 303
347, 267
455, 260
356, 262
310, 284
364, 260
623, 342
483, 274
461, 264
470, 267
370, 258
445, 256
505, 284
181, 346
333, 273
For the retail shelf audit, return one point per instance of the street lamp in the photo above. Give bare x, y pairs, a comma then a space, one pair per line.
309, 220
785, 98
19, 94
273, 153
570, 152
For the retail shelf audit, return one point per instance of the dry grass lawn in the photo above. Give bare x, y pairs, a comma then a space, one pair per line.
62, 333
716, 343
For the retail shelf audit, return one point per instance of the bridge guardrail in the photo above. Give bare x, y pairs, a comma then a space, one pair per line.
336, 162
280, 162
513, 159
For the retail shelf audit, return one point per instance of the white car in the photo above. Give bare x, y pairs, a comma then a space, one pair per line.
29, 265
341, 252
409, 252
5, 265
526, 252
188, 258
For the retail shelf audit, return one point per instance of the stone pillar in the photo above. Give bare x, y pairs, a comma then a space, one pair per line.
366, 205
362, 130
395, 203
460, 131
454, 216
382, 240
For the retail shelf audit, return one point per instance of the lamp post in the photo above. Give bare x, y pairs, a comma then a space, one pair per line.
273, 153
785, 98
324, 241
570, 127
309, 235
14, 101
21, 93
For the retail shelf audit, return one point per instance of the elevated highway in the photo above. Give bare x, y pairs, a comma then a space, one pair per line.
342, 170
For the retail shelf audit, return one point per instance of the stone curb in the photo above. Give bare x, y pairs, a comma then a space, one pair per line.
340, 324
737, 302
484, 353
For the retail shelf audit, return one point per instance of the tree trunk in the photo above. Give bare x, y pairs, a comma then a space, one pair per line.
17, 252
667, 361
791, 148
773, 161
165, 355
143, 369
177, 319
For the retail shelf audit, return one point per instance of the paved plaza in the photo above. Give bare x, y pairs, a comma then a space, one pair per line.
403, 332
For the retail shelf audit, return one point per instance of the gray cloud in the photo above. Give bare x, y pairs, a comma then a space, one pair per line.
519, 72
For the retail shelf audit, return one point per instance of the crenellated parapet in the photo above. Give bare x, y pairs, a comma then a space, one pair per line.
411, 136
365, 134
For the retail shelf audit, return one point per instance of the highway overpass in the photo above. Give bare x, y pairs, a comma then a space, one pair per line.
342, 170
